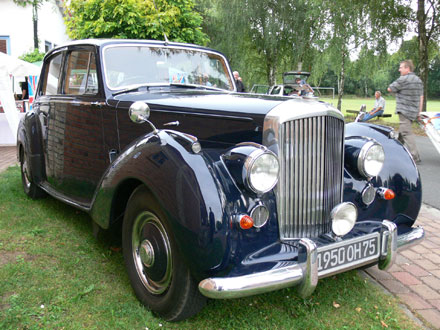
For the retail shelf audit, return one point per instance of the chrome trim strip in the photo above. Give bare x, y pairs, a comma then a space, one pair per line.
303, 274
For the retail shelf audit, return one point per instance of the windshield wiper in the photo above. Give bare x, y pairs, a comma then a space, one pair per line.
195, 86
131, 89
148, 86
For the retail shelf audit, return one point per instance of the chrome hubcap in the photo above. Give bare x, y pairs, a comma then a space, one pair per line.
146, 253
24, 169
151, 250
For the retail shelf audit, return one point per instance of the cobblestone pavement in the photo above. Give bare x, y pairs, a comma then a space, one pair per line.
414, 278
8, 157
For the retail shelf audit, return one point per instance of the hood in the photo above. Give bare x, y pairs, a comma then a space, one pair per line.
203, 101
217, 119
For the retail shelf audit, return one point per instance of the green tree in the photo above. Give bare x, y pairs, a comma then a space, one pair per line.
357, 23
135, 19
32, 56
261, 38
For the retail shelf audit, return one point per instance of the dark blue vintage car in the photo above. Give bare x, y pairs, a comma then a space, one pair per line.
219, 194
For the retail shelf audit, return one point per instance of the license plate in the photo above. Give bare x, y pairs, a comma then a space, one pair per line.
346, 254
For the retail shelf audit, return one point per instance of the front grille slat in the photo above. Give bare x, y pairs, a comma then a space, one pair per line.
310, 185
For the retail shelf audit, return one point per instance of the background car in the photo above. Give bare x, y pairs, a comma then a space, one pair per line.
294, 84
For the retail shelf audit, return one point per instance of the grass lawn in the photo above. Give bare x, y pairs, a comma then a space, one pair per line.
55, 275
354, 103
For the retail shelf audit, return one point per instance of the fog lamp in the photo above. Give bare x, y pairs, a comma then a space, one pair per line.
343, 217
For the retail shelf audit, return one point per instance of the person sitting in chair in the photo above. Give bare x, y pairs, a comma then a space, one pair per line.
379, 108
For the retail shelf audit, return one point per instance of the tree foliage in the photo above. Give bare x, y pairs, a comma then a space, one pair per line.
32, 56
264, 38
135, 19
261, 38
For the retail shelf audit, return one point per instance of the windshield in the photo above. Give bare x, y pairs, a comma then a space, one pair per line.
130, 65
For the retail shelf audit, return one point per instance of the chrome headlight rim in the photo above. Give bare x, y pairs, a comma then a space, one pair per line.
363, 157
250, 161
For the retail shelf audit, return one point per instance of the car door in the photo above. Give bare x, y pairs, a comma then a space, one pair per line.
75, 157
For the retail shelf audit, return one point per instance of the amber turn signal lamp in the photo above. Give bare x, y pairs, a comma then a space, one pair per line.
386, 193
246, 222
389, 194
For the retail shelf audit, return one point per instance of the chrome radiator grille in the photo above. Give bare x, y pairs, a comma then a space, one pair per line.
311, 169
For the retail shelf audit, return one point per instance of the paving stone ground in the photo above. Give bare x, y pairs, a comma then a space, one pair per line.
8, 157
415, 276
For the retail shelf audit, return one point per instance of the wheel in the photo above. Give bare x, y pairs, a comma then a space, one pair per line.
157, 273
30, 188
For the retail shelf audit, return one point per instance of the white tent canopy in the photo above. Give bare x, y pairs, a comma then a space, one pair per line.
10, 66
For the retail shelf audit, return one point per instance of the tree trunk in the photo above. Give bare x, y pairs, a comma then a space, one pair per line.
35, 21
270, 69
341, 80
423, 48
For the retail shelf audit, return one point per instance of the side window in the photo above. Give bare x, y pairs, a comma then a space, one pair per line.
81, 77
52, 76
276, 90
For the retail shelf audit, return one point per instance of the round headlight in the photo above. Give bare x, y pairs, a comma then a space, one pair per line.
371, 159
343, 217
261, 171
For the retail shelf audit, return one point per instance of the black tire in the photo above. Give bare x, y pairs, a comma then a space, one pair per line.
157, 273
30, 188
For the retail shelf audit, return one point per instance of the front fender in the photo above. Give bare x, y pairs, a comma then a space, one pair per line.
399, 173
186, 188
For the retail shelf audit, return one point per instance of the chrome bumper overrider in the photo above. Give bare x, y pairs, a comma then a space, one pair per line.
304, 275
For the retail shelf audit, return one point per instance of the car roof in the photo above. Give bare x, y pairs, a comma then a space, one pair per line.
297, 72
105, 42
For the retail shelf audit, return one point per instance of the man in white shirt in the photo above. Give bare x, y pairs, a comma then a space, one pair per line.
379, 107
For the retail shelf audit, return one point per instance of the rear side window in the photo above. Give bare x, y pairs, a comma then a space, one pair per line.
81, 77
52, 77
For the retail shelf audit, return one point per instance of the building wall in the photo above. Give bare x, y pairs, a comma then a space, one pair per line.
17, 32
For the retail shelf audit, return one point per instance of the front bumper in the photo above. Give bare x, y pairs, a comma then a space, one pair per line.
305, 274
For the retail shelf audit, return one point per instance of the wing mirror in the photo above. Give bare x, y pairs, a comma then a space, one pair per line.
139, 112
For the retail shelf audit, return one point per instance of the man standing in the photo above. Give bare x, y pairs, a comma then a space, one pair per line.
409, 101
238, 82
379, 107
